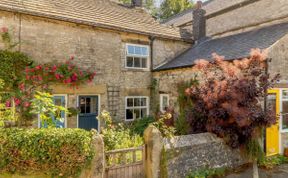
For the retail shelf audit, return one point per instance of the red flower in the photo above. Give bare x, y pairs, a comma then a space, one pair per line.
27, 77
26, 104
54, 68
71, 58
22, 86
39, 67
46, 68
74, 77
40, 78
17, 101
8, 104
4, 29
57, 76
27, 70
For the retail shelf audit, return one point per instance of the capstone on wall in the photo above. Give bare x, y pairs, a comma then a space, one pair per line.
100, 50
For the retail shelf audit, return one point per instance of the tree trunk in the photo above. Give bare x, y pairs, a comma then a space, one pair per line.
255, 169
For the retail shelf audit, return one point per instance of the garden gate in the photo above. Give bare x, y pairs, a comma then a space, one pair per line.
125, 163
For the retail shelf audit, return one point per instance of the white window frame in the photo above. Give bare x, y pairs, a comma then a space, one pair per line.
136, 107
281, 110
161, 101
66, 105
148, 56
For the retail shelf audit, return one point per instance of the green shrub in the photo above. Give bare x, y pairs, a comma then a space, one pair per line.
116, 136
56, 152
139, 125
272, 161
207, 173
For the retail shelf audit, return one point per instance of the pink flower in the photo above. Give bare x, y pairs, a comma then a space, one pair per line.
27, 70
17, 101
40, 78
27, 77
8, 104
4, 29
39, 67
54, 68
46, 68
72, 58
57, 76
26, 104
74, 77
22, 86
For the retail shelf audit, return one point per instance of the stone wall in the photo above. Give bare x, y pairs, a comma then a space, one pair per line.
167, 83
179, 156
47, 40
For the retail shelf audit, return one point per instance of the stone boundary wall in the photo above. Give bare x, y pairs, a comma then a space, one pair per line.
178, 156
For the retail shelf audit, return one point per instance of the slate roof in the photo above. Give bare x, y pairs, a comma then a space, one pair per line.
231, 47
99, 13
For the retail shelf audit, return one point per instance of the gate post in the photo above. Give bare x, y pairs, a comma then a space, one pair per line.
153, 147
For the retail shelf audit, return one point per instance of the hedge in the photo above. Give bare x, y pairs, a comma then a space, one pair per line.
55, 152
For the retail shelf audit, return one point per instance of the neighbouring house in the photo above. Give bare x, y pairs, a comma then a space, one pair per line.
232, 31
123, 44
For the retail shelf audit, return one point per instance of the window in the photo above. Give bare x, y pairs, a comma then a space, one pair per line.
137, 56
284, 111
164, 102
136, 107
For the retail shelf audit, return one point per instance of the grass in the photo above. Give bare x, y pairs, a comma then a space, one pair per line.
208, 173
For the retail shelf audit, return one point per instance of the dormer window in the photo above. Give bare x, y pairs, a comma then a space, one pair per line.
137, 56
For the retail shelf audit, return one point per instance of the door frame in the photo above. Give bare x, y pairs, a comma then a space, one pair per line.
66, 104
99, 107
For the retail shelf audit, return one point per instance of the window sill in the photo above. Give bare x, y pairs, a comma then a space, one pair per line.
136, 70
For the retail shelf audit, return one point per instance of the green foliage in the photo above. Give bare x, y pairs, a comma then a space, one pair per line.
207, 173
185, 103
172, 7
138, 126
181, 125
6, 114
160, 124
43, 104
12, 63
117, 136
57, 152
272, 161
254, 150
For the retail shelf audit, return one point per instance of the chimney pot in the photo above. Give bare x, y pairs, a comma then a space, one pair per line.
137, 3
198, 5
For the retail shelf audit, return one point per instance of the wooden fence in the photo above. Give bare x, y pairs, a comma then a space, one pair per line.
125, 163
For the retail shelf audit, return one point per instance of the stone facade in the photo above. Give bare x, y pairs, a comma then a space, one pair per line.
46, 40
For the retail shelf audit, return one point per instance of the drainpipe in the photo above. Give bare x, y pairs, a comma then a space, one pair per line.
152, 97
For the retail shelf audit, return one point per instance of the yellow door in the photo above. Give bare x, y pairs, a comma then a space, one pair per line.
272, 133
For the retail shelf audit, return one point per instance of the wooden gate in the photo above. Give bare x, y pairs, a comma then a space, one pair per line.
125, 163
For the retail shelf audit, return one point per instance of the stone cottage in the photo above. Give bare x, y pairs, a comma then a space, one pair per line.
232, 31
121, 43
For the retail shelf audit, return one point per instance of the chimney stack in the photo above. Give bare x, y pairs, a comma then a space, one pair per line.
136, 3
199, 22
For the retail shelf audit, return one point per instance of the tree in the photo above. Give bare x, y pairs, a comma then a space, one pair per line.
169, 8
227, 102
